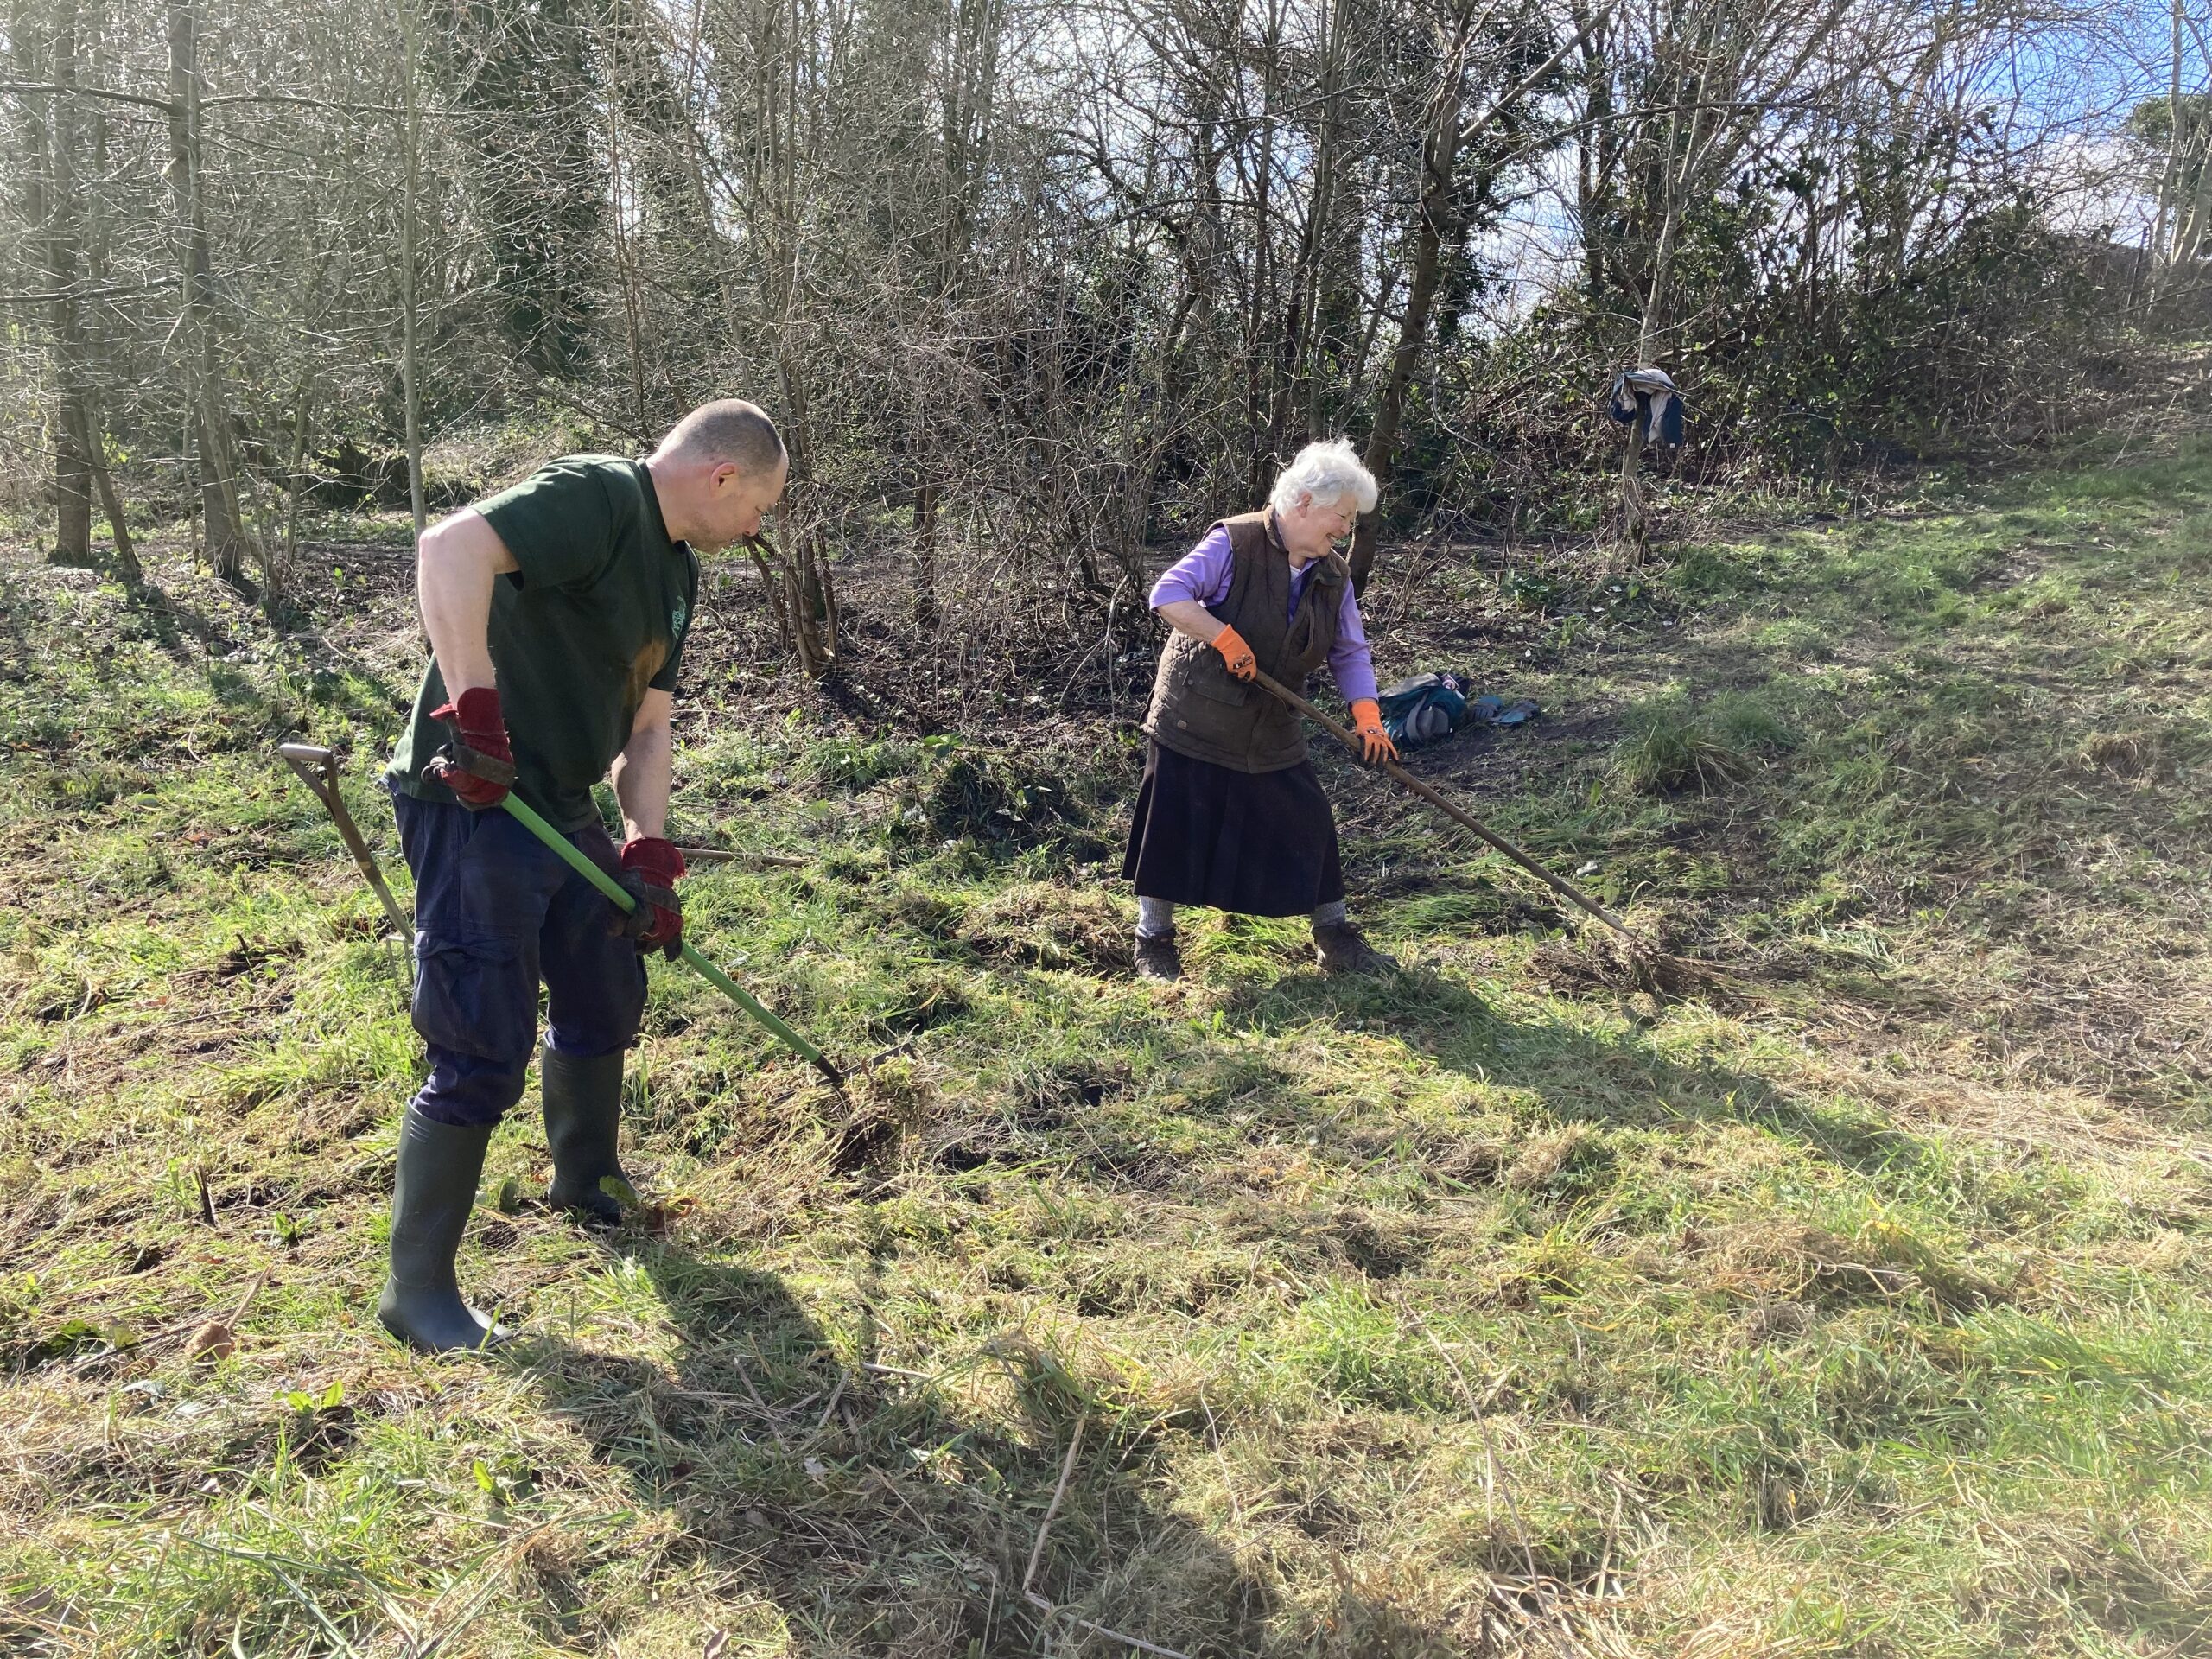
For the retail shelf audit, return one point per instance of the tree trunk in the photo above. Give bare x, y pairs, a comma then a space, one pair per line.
924, 564
2162, 251
1596, 150
215, 455
1257, 306
1635, 504
1436, 220
801, 597
93, 238
1305, 284
93, 438
409, 367
64, 263
813, 599
1634, 526
296, 475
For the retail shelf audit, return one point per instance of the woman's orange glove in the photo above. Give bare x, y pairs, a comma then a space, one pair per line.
1376, 746
1242, 663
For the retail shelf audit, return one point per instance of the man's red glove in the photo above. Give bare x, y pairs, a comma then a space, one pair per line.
650, 867
1375, 743
477, 763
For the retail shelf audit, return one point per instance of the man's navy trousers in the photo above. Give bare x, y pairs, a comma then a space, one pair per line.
496, 911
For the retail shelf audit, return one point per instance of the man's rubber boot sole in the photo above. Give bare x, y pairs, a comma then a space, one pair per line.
583, 1123
439, 1166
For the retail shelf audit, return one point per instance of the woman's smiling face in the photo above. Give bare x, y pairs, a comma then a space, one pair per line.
1311, 527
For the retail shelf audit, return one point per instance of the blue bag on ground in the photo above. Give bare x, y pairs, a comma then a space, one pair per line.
1420, 711
1423, 708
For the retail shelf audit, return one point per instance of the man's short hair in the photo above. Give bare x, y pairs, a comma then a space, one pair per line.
730, 429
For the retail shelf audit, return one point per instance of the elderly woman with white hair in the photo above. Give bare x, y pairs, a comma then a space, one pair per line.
1231, 814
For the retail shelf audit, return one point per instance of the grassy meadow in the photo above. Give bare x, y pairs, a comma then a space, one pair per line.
1857, 1305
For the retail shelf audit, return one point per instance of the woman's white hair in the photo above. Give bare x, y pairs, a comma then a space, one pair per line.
1324, 474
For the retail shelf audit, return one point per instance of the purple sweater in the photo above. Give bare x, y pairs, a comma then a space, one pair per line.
1203, 574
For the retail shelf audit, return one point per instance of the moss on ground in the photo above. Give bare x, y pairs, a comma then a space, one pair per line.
1858, 1307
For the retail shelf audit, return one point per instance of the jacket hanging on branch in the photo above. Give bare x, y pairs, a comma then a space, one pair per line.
1648, 396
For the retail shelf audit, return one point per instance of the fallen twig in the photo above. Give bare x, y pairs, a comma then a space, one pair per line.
1096, 1629
768, 1416
897, 1371
1490, 1445
1045, 1604
728, 855
1044, 1527
835, 1395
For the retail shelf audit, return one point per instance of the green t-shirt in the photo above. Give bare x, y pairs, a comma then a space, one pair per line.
597, 613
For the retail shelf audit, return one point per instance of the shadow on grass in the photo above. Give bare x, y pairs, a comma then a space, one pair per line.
328, 674
884, 1513
1613, 1077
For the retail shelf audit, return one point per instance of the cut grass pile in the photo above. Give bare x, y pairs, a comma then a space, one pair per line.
1860, 1308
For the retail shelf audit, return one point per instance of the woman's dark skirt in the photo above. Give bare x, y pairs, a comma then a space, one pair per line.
1259, 844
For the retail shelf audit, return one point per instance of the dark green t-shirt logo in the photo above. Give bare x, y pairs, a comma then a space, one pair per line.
676, 619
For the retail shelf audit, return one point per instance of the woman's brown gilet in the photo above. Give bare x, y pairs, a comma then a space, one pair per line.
1198, 709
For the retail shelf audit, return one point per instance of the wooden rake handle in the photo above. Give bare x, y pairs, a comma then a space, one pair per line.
1466, 820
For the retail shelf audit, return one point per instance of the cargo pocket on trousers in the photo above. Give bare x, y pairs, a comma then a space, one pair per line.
473, 996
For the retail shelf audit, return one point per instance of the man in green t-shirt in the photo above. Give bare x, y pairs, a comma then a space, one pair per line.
557, 612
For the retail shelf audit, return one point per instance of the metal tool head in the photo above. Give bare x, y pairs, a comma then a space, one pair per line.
318, 769
313, 763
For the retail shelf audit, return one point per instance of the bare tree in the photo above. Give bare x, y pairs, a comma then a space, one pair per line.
215, 453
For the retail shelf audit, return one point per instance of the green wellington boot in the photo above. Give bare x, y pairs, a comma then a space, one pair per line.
439, 1168
583, 1117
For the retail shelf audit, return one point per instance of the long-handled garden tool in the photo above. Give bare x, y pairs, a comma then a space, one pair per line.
1661, 971
318, 769
698, 965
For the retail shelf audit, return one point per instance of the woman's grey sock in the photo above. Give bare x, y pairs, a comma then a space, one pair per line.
1155, 918
1329, 915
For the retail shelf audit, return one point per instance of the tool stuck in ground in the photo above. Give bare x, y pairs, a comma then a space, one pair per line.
1650, 965
318, 770
715, 976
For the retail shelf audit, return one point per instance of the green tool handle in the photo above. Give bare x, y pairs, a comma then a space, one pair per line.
527, 816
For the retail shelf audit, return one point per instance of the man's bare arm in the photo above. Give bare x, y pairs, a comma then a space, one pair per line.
456, 564
642, 770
